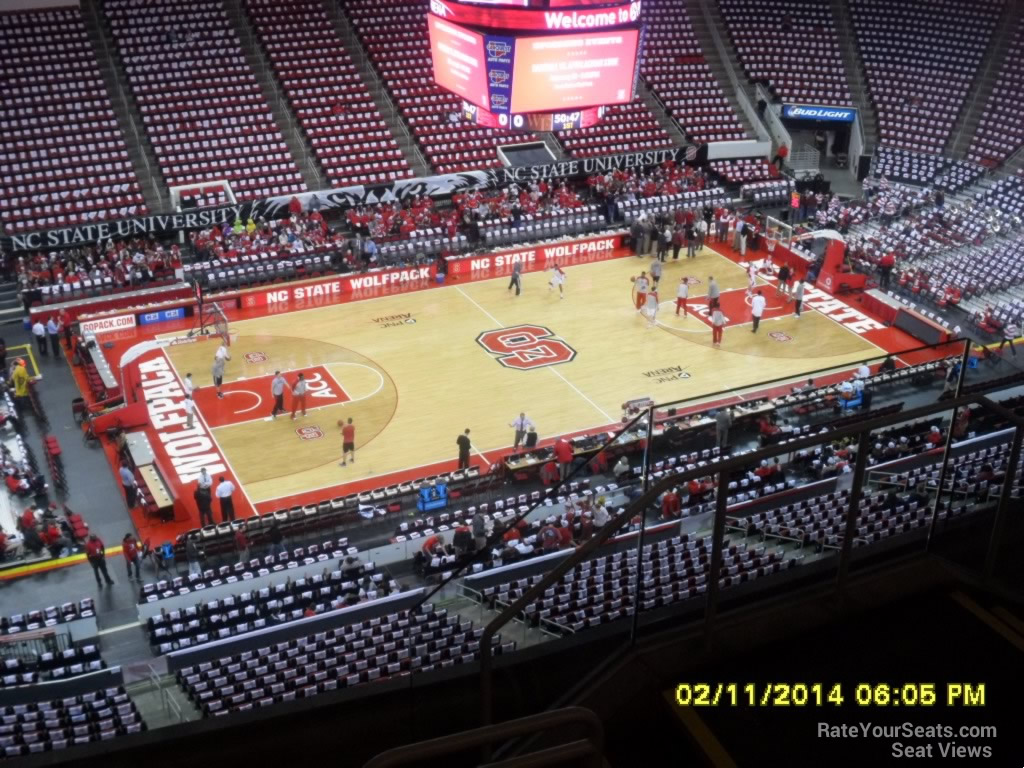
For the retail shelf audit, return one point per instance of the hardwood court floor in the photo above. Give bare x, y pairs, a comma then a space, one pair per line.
411, 373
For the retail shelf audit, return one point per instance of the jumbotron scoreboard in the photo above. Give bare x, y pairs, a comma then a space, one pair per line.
536, 65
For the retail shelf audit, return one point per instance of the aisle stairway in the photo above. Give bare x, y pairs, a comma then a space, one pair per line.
11, 310
126, 110
855, 74
394, 121
984, 83
302, 154
704, 14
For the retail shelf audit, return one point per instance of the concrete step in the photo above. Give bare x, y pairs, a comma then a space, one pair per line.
302, 153
554, 146
129, 119
396, 124
984, 83
855, 73
663, 118
703, 15
12, 314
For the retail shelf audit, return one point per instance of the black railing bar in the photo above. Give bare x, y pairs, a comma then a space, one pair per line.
618, 521
488, 734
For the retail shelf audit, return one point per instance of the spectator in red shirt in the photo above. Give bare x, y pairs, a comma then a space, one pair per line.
935, 436
511, 535
295, 206
564, 454
96, 553
52, 539
14, 486
28, 517
549, 538
670, 504
430, 545
132, 556
885, 266
549, 474
766, 428
599, 464
780, 156
564, 535
241, 545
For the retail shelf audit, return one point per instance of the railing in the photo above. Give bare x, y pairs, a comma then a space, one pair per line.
30, 644
777, 131
725, 469
171, 707
623, 436
589, 748
804, 160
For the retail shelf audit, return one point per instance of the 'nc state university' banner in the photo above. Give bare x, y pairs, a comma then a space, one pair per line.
340, 199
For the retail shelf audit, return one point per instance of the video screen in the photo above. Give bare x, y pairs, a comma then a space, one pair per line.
458, 57
517, 20
567, 72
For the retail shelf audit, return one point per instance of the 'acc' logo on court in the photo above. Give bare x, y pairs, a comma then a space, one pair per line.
526, 347
309, 433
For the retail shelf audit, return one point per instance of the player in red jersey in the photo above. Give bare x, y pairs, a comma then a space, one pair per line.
348, 442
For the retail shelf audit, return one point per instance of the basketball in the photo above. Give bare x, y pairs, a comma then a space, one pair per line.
632, 279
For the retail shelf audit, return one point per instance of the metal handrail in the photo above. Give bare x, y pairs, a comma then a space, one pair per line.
778, 129
488, 735
723, 468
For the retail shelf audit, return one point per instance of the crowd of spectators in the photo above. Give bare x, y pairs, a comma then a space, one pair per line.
356, 236
39, 530
298, 233
125, 263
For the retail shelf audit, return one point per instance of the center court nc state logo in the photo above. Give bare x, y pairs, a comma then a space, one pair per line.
255, 357
526, 347
309, 433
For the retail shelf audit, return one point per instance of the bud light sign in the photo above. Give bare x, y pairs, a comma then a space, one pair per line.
821, 114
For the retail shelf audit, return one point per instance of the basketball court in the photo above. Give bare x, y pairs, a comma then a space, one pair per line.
413, 370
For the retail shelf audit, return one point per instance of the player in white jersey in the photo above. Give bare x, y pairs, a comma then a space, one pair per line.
682, 294
641, 286
651, 308
751, 278
557, 278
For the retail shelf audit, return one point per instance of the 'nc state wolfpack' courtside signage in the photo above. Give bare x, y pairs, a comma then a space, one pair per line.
821, 114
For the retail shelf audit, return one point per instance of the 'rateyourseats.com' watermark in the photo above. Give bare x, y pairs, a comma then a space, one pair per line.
928, 741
